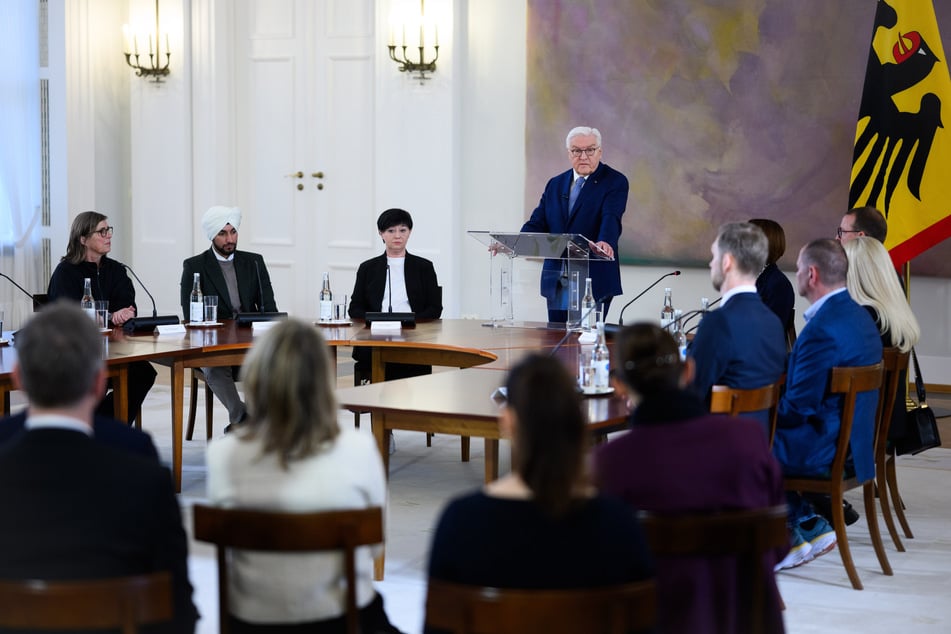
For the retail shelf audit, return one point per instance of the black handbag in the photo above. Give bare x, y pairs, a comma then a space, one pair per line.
921, 428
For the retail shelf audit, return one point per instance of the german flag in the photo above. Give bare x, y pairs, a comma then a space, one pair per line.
901, 163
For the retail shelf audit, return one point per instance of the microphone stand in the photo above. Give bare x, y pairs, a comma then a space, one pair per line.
620, 320
147, 323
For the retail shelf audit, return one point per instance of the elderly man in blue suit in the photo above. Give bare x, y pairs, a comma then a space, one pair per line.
589, 199
838, 332
742, 344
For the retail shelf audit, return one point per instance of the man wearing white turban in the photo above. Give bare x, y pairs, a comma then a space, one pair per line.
242, 284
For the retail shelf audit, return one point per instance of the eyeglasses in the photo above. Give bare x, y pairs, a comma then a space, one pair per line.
105, 232
588, 151
839, 231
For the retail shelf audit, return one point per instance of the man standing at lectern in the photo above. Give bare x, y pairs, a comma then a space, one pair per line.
242, 284
589, 199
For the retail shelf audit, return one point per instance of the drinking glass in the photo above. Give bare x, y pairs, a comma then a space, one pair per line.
211, 308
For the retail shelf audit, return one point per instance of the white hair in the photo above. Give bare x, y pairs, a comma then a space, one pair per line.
583, 131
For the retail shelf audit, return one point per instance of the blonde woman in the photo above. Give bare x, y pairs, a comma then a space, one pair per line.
291, 455
873, 283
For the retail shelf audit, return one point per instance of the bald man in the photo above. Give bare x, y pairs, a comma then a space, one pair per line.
242, 284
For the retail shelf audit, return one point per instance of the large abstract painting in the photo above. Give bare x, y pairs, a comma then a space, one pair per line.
716, 111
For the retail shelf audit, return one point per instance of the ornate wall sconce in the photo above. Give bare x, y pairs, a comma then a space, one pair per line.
153, 68
403, 56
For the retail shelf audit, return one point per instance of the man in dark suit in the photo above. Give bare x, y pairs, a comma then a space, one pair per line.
76, 508
589, 199
741, 344
242, 284
107, 431
838, 332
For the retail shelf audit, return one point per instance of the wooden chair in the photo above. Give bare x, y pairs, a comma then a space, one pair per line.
122, 603
462, 609
894, 363
288, 533
848, 382
198, 375
734, 401
748, 534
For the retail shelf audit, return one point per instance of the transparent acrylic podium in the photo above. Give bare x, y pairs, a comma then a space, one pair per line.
572, 248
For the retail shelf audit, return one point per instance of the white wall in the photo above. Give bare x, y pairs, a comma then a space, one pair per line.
460, 139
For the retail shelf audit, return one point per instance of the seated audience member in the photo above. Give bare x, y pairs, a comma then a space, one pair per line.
741, 344
77, 508
541, 526
838, 333
396, 280
679, 457
773, 286
873, 284
290, 455
87, 255
862, 221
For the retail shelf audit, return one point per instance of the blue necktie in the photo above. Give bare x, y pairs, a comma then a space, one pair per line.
575, 190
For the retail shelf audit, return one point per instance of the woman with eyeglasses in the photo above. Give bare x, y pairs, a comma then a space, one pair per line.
90, 240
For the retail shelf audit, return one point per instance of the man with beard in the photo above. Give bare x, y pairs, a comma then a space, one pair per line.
741, 344
242, 284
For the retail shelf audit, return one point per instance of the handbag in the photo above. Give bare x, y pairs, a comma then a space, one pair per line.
921, 427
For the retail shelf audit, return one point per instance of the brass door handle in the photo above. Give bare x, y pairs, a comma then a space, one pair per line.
317, 175
294, 175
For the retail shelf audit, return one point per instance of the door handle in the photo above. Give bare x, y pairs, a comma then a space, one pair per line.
294, 175
317, 175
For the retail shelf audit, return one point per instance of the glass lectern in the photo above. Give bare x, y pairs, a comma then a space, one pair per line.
573, 249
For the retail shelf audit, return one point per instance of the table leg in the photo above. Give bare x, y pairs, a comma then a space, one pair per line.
178, 404
491, 459
120, 393
5, 400
464, 448
378, 425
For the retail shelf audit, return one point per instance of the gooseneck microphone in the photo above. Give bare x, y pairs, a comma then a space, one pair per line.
620, 320
147, 323
12, 281
389, 290
257, 273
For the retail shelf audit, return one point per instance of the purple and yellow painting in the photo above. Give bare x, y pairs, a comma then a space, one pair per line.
716, 111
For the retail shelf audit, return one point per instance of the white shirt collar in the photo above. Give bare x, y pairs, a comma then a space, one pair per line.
54, 421
812, 310
743, 288
220, 257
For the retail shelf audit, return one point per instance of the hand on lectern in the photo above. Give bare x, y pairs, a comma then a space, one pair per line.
603, 248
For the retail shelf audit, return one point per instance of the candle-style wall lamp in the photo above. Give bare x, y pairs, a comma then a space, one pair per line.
153, 68
401, 52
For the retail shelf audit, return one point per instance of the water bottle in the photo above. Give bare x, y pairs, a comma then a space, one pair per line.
326, 299
196, 308
601, 360
588, 308
679, 335
87, 303
667, 312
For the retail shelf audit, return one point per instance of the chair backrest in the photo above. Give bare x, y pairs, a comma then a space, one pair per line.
748, 534
849, 381
791, 331
114, 603
735, 401
894, 362
271, 531
462, 609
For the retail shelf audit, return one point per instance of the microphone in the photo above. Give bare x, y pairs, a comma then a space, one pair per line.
389, 290
23, 290
147, 323
257, 272
694, 313
583, 318
620, 321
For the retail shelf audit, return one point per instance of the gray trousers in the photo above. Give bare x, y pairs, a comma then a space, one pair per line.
221, 382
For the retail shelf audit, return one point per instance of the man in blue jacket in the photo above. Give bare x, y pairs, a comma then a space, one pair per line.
589, 199
838, 333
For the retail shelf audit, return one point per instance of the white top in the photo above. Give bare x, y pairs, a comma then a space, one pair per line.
287, 588
396, 286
